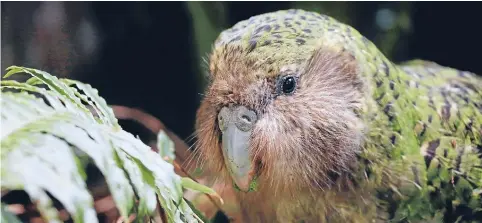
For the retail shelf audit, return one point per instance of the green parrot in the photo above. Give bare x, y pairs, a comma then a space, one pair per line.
310, 122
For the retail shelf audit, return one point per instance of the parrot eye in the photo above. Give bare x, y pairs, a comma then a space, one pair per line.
288, 84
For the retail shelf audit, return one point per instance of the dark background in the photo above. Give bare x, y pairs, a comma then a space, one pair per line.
148, 54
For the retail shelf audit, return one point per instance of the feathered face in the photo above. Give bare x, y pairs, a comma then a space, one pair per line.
281, 123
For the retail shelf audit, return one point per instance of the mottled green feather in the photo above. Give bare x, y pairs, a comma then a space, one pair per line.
423, 151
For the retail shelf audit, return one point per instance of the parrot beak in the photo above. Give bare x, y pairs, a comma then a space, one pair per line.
236, 124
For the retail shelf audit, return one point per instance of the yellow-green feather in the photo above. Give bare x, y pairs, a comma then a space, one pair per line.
423, 151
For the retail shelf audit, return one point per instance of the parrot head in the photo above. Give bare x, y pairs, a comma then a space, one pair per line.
282, 109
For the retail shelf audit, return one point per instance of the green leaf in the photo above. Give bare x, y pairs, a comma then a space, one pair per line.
193, 185
155, 171
53, 98
45, 142
93, 98
146, 193
197, 212
189, 183
53, 82
187, 213
165, 146
35, 166
34, 81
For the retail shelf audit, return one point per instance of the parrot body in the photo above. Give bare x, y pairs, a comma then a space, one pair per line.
312, 123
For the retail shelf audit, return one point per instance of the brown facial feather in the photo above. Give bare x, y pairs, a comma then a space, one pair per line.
301, 142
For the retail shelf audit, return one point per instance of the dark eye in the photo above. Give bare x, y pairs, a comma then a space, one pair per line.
288, 84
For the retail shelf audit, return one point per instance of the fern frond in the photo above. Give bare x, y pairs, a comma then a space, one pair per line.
44, 139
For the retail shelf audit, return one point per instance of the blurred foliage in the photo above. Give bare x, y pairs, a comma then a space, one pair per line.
208, 21
49, 135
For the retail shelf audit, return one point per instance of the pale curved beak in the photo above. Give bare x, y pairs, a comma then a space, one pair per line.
236, 124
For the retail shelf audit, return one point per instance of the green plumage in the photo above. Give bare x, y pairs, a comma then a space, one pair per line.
423, 149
